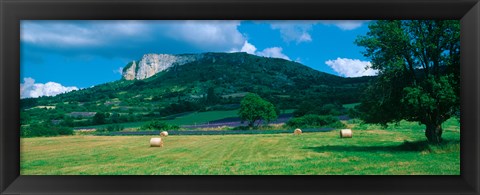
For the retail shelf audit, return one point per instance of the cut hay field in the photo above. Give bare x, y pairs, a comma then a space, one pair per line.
371, 151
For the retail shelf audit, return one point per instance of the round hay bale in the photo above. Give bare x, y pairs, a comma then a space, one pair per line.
297, 132
156, 142
346, 133
164, 133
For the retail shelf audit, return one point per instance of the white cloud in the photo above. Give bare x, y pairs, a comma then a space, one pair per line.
351, 67
298, 60
76, 34
273, 52
127, 27
349, 25
298, 31
345, 24
30, 89
129, 39
220, 35
119, 70
249, 48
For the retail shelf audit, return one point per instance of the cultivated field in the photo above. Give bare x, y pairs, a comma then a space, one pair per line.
373, 150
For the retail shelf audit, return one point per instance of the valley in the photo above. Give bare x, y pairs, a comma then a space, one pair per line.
199, 92
340, 97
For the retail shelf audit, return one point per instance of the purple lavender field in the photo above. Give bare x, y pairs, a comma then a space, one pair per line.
235, 122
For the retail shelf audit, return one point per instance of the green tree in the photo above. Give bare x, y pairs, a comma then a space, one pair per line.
212, 98
253, 108
159, 125
418, 78
44, 129
99, 118
68, 121
312, 120
318, 108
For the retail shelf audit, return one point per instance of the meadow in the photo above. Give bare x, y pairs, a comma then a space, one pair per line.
191, 119
374, 150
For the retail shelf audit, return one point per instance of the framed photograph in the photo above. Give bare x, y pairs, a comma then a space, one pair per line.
239, 97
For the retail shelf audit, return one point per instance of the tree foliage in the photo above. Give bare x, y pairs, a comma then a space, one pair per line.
159, 125
180, 107
44, 129
312, 120
318, 108
212, 97
99, 118
253, 108
418, 63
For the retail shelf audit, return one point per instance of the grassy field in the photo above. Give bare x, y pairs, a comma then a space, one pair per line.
202, 117
399, 150
189, 119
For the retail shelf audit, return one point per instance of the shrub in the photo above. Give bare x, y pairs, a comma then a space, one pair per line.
159, 125
319, 109
44, 130
312, 120
241, 128
68, 121
181, 106
111, 128
353, 113
63, 130
99, 118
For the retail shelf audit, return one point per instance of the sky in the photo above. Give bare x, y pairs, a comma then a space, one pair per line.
65, 55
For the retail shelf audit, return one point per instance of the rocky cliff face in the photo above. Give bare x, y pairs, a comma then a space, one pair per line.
129, 73
151, 64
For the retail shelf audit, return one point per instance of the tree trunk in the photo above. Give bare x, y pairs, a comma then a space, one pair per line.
434, 133
250, 124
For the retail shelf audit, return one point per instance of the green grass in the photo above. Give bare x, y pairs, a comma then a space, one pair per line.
451, 124
371, 151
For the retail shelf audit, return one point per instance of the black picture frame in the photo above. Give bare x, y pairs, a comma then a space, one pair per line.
12, 11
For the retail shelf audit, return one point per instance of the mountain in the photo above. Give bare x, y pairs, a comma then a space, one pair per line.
191, 75
165, 84
151, 64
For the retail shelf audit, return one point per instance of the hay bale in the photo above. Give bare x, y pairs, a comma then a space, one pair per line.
297, 132
156, 142
164, 133
346, 133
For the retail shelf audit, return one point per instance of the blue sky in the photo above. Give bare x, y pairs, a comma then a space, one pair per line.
59, 56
